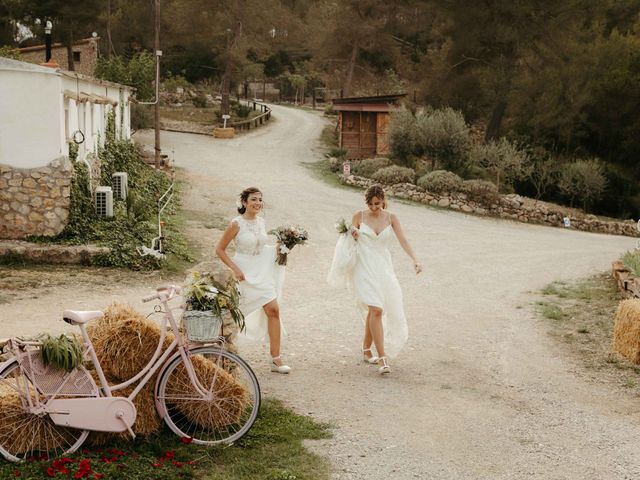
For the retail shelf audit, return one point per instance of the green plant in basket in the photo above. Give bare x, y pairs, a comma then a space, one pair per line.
202, 292
63, 351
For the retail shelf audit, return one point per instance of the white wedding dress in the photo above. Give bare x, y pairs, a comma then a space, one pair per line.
263, 276
372, 280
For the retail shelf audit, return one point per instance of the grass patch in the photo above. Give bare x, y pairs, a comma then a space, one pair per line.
631, 260
272, 450
582, 318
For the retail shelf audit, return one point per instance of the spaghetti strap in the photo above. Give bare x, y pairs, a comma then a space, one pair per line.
389, 217
361, 216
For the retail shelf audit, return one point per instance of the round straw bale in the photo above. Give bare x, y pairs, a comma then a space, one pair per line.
23, 432
124, 341
231, 397
626, 332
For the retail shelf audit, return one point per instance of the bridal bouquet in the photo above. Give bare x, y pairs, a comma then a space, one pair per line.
288, 237
342, 226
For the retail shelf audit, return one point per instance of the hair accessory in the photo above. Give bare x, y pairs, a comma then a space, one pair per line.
238, 203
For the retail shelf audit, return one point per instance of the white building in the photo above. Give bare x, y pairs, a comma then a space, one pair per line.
42, 110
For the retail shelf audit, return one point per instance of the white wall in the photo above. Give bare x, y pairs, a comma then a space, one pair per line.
30, 121
37, 121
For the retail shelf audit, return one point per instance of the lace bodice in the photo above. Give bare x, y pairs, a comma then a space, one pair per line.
252, 236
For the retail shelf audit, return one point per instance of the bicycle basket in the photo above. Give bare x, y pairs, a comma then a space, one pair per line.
201, 326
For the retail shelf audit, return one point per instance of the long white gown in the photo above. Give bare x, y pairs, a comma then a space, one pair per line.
263, 277
372, 280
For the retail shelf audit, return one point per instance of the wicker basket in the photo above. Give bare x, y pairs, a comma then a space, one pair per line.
201, 326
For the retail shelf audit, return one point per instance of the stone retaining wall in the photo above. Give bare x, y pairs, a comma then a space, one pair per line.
506, 206
41, 253
35, 201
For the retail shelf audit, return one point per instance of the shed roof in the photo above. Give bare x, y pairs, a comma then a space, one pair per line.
379, 103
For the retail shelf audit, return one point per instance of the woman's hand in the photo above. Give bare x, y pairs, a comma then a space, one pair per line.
417, 267
238, 275
355, 233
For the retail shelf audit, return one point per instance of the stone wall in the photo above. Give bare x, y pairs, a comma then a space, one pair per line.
510, 206
35, 201
87, 49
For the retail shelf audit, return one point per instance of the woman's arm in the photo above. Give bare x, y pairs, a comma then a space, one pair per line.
221, 250
355, 225
404, 243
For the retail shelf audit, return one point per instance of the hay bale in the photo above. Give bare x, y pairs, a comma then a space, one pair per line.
626, 333
232, 398
22, 432
124, 341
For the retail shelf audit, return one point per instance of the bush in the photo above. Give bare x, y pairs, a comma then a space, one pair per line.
584, 180
328, 109
440, 181
481, 191
241, 110
199, 101
631, 260
141, 116
171, 83
369, 166
402, 135
443, 136
504, 160
395, 174
337, 152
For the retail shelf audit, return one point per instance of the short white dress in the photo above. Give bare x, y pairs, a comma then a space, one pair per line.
263, 276
372, 280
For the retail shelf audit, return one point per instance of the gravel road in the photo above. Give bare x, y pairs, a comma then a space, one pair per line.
480, 392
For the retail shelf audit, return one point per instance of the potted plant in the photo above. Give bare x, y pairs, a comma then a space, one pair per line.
208, 303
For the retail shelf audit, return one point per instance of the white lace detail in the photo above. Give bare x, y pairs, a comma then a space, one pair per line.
251, 237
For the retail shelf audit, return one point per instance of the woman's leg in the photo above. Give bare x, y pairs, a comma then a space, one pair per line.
374, 320
272, 310
368, 338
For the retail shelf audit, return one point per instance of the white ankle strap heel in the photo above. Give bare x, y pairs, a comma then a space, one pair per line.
372, 359
384, 366
279, 368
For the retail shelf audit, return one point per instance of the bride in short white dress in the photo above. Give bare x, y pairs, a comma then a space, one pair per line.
362, 262
263, 277
260, 277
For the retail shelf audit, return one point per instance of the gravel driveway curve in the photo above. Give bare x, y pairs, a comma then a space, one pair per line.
481, 391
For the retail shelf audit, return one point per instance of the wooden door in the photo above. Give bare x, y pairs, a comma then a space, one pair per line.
351, 133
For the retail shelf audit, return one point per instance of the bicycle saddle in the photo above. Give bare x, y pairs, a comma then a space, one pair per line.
79, 317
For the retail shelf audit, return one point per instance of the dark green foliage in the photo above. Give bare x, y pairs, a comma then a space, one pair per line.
369, 166
63, 351
138, 72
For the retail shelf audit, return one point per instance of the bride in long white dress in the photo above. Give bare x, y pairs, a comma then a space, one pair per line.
366, 267
260, 277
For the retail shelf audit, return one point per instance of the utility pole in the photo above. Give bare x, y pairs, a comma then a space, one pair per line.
158, 151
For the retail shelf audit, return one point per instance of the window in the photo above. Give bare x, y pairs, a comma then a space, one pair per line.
76, 56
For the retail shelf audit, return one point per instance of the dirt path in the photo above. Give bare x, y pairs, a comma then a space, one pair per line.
480, 392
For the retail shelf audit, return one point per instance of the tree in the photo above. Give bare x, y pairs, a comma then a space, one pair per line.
503, 159
583, 179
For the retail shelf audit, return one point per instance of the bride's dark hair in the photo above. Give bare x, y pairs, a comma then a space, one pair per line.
244, 196
376, 191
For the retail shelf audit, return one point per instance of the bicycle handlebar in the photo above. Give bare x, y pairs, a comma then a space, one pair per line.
169, 291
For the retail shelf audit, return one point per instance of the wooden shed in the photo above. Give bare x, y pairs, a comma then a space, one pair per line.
363, 123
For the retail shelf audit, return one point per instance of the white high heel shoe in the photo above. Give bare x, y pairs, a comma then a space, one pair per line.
372, 359
279, 368
384, 367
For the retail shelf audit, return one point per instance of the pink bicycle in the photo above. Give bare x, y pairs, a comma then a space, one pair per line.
203, 392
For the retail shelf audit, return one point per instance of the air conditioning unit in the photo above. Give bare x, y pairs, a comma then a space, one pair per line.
104, 201
120, 182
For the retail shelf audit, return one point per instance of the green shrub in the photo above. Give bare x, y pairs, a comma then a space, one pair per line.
328, 109
241, 110
440, 181
631, 260
369, 166
443, 136
583, 180
199, 101
481, 191
505, 161
395, 174
171, 83
141, 116
402, 135
337, 152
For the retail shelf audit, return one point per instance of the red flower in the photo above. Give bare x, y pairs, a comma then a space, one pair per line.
177, 464
17, 473
51, 472
98, 475
156, 465
169, 455
186, 439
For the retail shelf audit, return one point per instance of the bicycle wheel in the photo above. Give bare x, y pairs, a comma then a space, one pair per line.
223, 416
25, 435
